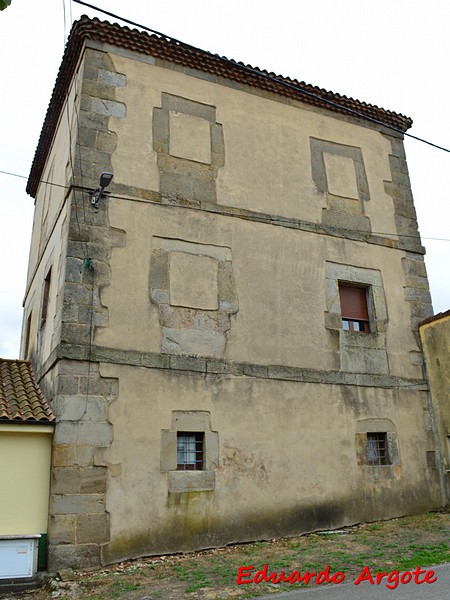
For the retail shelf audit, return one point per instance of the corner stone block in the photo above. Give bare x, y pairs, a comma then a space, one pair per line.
92, 529
69, 408
66, 384
99, 386
96, 409
106, 141
63, 456
84, 455
62, 529
76, 367
76, 333
74, 270
110, 78
109, 108
71, 556
66, 432
93, 480
65, 480
77, 504
97, 434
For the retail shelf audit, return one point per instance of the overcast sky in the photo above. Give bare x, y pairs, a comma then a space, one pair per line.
392, 53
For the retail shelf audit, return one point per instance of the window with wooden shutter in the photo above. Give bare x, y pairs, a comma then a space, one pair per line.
354, 309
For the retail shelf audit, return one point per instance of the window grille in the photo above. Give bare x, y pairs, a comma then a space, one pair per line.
377, 449
190, 451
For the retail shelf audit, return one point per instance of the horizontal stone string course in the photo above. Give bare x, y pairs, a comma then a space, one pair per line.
379, 239
215, 366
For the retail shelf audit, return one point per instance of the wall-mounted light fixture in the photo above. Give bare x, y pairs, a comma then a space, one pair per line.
105, 180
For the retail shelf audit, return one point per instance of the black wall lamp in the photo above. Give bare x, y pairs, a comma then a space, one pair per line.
105, 180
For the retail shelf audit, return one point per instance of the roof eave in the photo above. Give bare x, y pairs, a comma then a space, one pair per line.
184, 54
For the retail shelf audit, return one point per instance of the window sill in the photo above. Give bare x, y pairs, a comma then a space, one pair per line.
376, 472
191, 481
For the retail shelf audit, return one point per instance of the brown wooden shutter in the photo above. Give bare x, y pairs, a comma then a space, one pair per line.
353, 303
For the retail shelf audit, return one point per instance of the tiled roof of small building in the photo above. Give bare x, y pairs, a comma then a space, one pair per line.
20, 396
194, 60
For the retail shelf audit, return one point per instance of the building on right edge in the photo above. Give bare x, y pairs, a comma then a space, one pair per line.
435, 337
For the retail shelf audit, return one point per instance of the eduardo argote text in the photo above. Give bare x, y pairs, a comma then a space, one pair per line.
390, 579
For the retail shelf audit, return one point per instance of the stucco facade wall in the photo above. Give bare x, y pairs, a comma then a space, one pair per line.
267, 145
56, 179
49, 235
280, 276
44, 336
268, 480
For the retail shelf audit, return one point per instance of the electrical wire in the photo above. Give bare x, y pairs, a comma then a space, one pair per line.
130, 199
66, 187
271, 78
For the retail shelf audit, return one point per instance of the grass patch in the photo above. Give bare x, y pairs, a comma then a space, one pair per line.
399, 544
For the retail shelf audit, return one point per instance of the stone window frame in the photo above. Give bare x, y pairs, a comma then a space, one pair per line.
336, 274
180, 481
358, 353
377, 471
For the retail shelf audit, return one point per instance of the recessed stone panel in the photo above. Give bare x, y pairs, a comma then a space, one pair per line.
341, 175
190, 148
190, 137
193, 281
193, 286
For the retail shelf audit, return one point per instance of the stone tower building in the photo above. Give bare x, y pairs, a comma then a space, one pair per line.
229, 337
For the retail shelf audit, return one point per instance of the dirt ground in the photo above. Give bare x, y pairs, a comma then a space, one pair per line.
399, 544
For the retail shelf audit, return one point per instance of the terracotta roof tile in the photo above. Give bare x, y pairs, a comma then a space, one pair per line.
174, 51
20, 396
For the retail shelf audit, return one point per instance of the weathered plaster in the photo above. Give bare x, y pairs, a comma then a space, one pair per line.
193, 286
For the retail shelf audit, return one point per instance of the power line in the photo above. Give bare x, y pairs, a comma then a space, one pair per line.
271, 78
60, 185
112, 195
